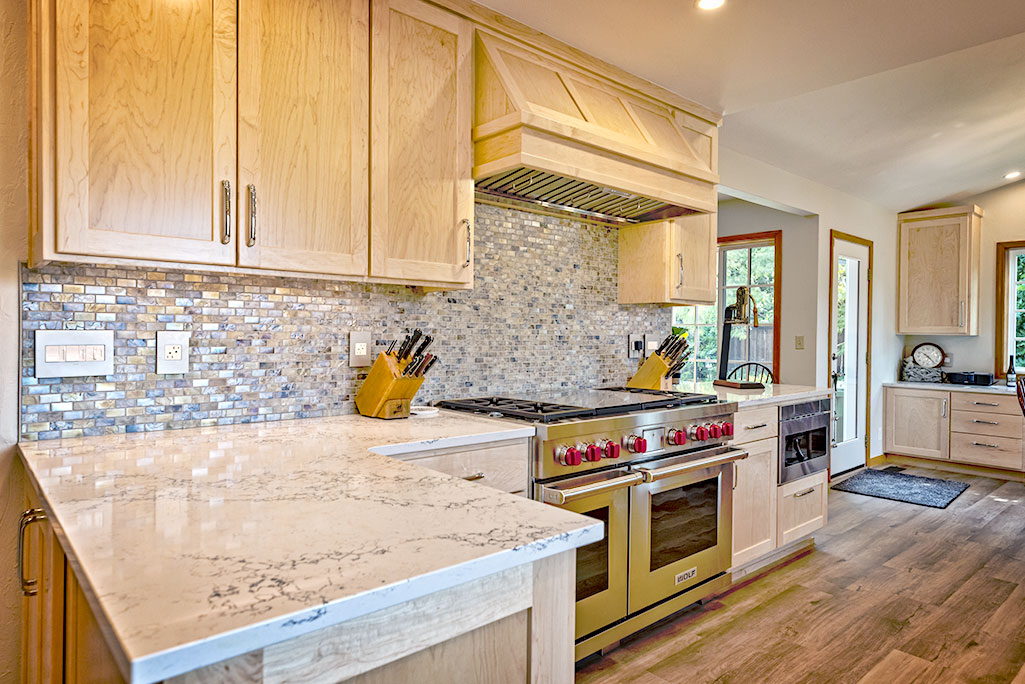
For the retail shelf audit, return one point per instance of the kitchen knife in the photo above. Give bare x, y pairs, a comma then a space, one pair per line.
391, 346
665, 343
411, 366
430, 364
402, 348
417, 334
422, 366
423, 347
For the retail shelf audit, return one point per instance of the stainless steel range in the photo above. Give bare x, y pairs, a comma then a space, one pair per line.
655, 468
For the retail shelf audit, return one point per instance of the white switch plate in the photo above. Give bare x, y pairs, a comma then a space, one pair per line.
651, 343
172, 352
74, 353
799, 342
360, 345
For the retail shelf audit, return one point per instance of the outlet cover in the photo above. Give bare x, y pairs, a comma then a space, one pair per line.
172, 352
636, 348
361, 348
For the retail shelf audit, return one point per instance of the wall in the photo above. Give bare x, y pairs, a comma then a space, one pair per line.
749, 178
1003, 220
542, 316
800, 245
13, 219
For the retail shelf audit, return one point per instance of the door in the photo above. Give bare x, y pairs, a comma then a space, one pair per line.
146, 129
421, 202
849, 352
304, 88
754, 502
933, 283
41, 566
692, 270
601, 589
917, 422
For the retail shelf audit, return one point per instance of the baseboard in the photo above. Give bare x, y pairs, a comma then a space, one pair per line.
951, 467
770, 560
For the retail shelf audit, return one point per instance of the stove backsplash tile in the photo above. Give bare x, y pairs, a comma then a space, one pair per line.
542, 315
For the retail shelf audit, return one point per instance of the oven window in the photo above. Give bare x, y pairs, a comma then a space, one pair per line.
805, 446
684, 521
593, 561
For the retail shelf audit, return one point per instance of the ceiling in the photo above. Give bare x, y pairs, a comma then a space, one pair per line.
901, 102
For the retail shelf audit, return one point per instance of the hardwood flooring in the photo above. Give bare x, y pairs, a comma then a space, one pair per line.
892, 593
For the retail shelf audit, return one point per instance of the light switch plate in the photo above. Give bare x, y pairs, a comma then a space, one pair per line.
798, 342
172, 352
361, 349
636, 348
74, 353
651, 343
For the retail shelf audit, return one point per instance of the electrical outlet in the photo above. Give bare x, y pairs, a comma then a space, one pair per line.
636, 346
172, 352
799, 342
360, 346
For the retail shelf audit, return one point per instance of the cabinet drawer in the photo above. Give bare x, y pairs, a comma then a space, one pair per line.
985, 403
755, 424
801, 507
501, 467
999, 452
994, 424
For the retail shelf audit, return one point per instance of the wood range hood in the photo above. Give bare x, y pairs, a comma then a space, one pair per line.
558, 136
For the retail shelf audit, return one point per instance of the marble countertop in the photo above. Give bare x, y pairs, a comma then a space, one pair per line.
947, 387
198, 545
770, 394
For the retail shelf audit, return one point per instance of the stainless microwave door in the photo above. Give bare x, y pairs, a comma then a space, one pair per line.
680, 533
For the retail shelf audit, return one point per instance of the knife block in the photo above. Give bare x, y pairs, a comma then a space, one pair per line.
651, 375
385, 393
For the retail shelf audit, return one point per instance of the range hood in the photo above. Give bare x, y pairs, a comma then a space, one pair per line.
556, 136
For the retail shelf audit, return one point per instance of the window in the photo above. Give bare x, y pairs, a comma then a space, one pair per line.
744, 260
1014, 321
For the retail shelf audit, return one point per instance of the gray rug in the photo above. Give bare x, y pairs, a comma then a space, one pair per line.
915, 489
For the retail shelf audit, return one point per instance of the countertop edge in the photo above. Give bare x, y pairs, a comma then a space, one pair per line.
949, 387
405, 448
768, 401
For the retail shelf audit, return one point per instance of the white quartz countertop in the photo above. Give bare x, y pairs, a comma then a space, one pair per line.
198, 545
770, 394
947, 387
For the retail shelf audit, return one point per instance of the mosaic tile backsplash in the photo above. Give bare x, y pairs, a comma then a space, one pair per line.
542, 315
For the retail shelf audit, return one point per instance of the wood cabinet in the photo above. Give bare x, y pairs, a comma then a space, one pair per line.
669, 262
754, 501
802, 507
421, 220
917, 422
938, 271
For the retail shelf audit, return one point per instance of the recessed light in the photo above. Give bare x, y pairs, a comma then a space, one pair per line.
710, 4
1012, 175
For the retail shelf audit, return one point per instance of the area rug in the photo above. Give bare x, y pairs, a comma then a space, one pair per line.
914, 489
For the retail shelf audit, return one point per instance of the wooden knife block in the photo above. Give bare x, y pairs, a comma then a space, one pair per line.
385, 393
651, 375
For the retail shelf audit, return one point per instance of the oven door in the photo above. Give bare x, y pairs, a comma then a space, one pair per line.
803, 446
601, 566
681, 523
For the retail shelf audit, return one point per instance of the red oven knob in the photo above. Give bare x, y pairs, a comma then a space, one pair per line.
727, 428
715, 431
637, 445
592, 453
699, 433
610, 448
568, 456
676, 437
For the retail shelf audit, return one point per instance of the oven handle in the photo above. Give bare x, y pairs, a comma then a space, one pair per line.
559, 497
690, 466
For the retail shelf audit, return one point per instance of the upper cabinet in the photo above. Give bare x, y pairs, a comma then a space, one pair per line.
144, 117
421, 219
669, 262
938, 271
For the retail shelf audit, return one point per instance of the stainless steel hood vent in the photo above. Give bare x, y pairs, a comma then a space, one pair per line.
549, 134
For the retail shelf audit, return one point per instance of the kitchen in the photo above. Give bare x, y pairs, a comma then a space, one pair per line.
516, 261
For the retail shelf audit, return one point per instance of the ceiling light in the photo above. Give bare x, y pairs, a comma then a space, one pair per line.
1012, 175
710, 4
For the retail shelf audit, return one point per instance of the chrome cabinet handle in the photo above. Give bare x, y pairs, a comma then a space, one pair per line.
984, 403
226, 201
29, 587
943, 414
559, 497
804, 493
960, 314
469, 241
474, 477
251, 235
983, 444
756, 427
680, 257
986, 422
736, 473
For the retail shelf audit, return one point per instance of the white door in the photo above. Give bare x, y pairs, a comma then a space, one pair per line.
849, 353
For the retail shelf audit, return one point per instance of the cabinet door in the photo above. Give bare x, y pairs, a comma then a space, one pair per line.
421, 204
42, 616
917, 422
802, 506
87, 658
754, 502
146, 119
693, 259
304, 89
934, 273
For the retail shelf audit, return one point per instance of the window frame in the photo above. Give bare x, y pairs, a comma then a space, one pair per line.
1005, 304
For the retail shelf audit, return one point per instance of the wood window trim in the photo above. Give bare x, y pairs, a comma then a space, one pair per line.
776, 237
1000, 351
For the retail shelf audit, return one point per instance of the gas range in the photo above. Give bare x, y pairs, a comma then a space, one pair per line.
585, 430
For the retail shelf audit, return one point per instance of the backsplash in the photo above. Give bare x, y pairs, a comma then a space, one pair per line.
542, 315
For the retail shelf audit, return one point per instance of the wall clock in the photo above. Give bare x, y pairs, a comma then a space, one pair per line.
928, 355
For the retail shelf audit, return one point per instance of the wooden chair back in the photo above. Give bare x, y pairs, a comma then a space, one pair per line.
752, 372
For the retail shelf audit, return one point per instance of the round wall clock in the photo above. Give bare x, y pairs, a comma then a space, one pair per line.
928, 355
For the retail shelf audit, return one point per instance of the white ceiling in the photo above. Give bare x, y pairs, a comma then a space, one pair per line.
902, 102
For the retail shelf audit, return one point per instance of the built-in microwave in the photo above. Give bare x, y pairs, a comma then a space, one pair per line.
804, 440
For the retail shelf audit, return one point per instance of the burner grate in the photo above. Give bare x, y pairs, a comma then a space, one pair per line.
519, 408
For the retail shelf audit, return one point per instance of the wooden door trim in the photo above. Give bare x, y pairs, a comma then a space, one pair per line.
776, 236
835, 235
1000, 351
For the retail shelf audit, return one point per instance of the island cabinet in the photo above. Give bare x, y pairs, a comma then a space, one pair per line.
669, 262
938, 271
140, 113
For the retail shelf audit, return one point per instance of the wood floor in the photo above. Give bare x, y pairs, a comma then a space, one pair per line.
892, 593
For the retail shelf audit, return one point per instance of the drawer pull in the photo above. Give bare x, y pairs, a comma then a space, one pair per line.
756, 427
804, 493
474, 477
983, 444
984, 403
29, 587
986, 422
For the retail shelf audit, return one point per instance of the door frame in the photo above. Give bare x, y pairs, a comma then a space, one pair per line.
835, 235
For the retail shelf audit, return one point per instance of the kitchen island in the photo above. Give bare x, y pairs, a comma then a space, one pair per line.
292, 551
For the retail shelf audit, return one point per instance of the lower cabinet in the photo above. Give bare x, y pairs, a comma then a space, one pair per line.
754, 502
801, 507
917, 422
501, 465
